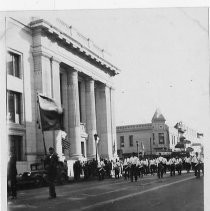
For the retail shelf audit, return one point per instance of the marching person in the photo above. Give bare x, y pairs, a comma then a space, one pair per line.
145, 163
164, 161
178, 165
172, 162
141, 168
101, 170
11, 175
138, 168
133, 161
187, 163
128, 169
152, 166
160, 166
168, 164
197, 160
125, 169
51, 162
136, 159
117, 169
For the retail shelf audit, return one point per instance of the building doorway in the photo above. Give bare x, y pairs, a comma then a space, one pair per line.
83, 149
16, 146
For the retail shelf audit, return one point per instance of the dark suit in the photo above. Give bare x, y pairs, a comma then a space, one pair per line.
51, 167
11, 176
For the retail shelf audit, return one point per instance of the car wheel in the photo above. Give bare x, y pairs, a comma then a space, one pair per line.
38, 182
62, 179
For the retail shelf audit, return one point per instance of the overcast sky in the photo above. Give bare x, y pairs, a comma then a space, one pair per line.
163, 55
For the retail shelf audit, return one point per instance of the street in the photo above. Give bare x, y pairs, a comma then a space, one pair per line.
183, 192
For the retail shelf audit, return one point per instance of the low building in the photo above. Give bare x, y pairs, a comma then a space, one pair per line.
152, 138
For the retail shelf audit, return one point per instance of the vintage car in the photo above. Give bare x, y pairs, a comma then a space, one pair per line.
38, 175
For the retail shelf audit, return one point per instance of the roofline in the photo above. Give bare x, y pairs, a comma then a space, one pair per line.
76, 44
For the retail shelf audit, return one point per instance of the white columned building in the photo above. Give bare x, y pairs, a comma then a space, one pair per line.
68, 68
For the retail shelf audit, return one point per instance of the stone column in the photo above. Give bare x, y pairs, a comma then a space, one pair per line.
103, 119
65, 106
90, 117
113, 125
55, 74
65, 100
74, 115
83, 103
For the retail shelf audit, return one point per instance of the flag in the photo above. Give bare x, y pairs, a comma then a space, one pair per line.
50, 113
65, 144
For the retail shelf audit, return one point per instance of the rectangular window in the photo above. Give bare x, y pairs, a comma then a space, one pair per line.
161, 138
13, 64
14, 107
153, 137
122, 144
131, 140
16, 146
83, 148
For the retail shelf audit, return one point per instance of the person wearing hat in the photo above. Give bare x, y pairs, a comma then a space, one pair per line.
188, 163
172, 162
197, 161
160, 166
11, 175
51, 167
178, 165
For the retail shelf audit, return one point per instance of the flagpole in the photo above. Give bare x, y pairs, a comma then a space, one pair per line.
45, 151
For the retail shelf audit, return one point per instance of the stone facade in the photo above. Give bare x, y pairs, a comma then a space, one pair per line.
55, 62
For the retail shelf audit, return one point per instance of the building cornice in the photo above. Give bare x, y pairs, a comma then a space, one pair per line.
135, 127
71, 40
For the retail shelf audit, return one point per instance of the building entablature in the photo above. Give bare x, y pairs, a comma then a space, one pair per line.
134, 127
71, 40
69, 61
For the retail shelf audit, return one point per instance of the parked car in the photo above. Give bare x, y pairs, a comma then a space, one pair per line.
38, 175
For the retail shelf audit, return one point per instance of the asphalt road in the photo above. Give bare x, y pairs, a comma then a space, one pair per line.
181, 193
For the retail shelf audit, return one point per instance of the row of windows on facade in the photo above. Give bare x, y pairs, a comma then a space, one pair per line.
14, 99
173, 139
14, 105
161, 139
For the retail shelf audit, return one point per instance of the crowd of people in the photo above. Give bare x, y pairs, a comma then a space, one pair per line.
133, 167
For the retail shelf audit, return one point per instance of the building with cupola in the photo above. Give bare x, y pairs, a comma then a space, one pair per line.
148, 139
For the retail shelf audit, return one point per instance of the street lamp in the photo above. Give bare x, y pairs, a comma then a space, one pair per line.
96, 142
137, 145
